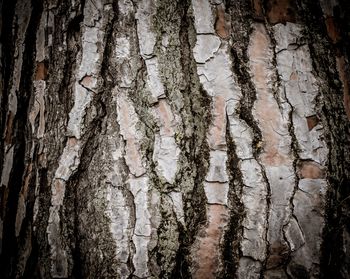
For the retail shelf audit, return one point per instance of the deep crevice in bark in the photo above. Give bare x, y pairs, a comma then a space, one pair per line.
294, 147
336, 129
78, 187
233, 234
73, 30
9, 240
241, 19
241, 30
195, 117
8, 38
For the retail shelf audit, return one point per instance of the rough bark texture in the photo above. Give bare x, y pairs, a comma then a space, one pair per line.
175, 139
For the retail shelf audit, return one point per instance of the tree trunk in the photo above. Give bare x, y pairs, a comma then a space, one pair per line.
175, 139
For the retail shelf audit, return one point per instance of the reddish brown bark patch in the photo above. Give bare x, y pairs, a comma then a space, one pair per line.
267, 110
332, 30
27, 178
58, 193
87, 81
222, 26
8, 132
344, 77
312, 121
281, 11
293, 76
217, 138
278, 255
166, 117
207, 253
72, 141
257, 10
41, 71
4, 192
310, 169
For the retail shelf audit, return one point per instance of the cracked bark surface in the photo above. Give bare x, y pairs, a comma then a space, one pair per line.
174, 139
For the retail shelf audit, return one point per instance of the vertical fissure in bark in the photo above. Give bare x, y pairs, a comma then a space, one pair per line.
64, 34
8, 39
73, 47
336, 125
279, 96
296, 160
78, 188
26, 238
268, 209
241, 20
189, 101
241, 30
37, 261
234, 232
198, 103
20, 134
74, 200
61, 69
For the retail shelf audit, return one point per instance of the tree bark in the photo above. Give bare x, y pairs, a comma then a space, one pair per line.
175, 139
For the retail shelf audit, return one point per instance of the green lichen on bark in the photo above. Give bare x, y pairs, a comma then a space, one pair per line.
241, 24
187, 99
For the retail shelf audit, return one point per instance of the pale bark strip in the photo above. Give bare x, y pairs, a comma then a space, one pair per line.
210, 58
122, 147
119, 206
247, 136
276, 157
226, 96
253, 245
294, 65
139, 184
166, 151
